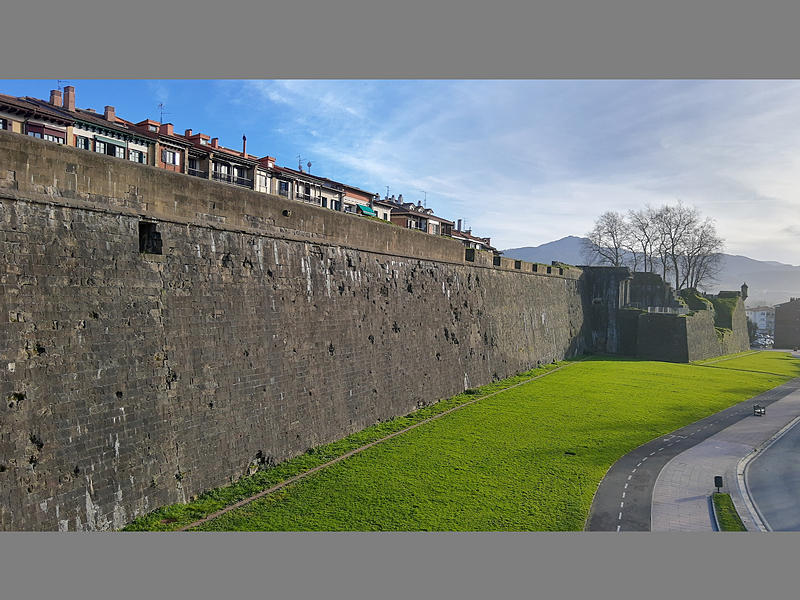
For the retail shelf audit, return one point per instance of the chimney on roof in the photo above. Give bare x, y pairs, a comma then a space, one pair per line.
458, 227
187, 133
214, 142
399, 198
167, 129
244, 146
91, 110
109, 114
55, 98
69, 98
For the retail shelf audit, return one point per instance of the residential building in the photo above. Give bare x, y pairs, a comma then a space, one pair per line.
416, 216
106, 134
295, 184
787, 324
170, 150
763, 317
207, 159
30, 118
471, 241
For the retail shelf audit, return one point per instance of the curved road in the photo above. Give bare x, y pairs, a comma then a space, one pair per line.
623, 500
773, 482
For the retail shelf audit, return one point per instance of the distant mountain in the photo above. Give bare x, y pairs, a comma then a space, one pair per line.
769, 282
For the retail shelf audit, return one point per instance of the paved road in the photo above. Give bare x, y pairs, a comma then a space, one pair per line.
773, 480
623, 501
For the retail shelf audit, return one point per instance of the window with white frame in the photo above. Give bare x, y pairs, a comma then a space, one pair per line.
119, 151
283, 188
99, 146
3, 124
136, 156
35, 134
170, 157
82, 142
53, 138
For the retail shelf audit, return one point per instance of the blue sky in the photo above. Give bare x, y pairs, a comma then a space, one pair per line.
523, 161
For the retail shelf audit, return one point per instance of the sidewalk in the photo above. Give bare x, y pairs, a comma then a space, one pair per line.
682, 489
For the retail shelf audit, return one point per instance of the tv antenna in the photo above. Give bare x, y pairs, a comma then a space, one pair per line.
387, 191
60, 83
299, 163
425, 201
163, 109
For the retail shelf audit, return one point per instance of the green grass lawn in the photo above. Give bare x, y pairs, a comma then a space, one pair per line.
529, 458
727, 516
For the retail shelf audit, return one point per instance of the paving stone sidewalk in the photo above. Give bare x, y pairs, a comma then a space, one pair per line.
681, 496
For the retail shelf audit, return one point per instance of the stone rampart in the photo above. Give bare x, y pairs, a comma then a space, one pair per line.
265, 327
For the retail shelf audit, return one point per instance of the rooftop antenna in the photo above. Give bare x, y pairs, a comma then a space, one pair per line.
60, 83
425, 201
163, 109
299, 163
308, 164
387, 191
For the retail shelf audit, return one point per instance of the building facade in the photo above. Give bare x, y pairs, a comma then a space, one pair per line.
763, 317
787, 324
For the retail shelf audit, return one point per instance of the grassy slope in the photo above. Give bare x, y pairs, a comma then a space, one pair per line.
527, 459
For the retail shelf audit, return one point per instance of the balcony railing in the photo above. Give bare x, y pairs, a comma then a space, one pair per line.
219, 176
197, 173
243, 181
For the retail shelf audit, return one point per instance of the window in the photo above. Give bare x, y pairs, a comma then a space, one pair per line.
119, 151
324, 202
99, 146
53, 138
3, 124
152, 128
193, 164
283, 188
82, 142
136, 156
35, 134
170, 157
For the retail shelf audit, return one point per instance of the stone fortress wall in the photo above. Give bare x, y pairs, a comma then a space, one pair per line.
265, 326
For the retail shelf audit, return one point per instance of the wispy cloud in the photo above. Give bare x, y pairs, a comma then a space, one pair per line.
529, 161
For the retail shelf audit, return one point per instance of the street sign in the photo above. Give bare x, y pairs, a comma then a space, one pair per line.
718, 482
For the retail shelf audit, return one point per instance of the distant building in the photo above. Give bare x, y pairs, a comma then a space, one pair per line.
763, 317
30, 118
787, 324
417, 216
471, 241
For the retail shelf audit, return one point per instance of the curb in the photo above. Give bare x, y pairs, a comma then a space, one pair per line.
741, 473
715, 524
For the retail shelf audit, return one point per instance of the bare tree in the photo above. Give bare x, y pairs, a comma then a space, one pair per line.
673, 240
701, 258
643, 234
608, 239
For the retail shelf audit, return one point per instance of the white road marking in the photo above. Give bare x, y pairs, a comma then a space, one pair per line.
618, 527
634, 471
623, 494
626, 486
644, 459
619, 517
629, 477
651, 454
660, 449
621, 504
639, 465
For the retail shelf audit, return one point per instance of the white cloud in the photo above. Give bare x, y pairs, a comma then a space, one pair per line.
527, 162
